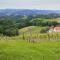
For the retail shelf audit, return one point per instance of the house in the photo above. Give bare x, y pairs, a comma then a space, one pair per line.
51, 29
54, 29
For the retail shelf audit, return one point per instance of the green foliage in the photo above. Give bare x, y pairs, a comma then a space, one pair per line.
21, 21
7, 27
44, 30
52, 23
43, 22
30, 20
11, 32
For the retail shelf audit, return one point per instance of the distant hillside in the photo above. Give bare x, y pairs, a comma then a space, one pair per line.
32, 29
15, 12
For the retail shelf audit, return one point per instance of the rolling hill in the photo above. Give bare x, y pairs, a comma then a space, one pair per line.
8, 12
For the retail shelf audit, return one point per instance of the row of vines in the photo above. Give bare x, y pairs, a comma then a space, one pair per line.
34, 37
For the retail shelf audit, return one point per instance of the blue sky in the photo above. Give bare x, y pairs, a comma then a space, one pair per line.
30, 4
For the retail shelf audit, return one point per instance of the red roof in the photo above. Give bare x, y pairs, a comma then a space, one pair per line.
57, 29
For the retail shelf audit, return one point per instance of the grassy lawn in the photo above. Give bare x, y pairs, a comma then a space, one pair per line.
20, 50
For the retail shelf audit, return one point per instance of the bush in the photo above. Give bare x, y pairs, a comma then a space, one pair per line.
44, 30
11, 32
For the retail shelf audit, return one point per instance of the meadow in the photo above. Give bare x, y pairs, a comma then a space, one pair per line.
30, 45
21, 50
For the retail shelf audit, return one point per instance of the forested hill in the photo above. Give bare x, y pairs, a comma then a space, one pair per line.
4, 12
11, 20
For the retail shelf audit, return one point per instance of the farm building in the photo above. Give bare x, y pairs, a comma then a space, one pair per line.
54, 29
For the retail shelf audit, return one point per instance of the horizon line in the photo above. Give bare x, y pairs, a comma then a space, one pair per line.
29, 9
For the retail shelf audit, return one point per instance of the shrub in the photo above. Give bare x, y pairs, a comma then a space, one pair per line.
11, 32
44, 30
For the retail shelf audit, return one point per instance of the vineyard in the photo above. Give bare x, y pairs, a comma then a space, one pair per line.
32, 34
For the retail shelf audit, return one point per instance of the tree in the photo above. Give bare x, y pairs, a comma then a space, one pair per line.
8, 27
11, 32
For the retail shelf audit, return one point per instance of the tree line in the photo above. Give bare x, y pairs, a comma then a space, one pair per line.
10, 25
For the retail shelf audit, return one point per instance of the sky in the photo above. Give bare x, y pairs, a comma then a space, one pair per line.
30, 4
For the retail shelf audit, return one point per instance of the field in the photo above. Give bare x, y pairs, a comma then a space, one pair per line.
56, 19
21, 50
24, 46
32, 33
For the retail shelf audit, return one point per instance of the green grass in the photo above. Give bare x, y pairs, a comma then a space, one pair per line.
15, 48
31, 28
34, 33
20, 50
